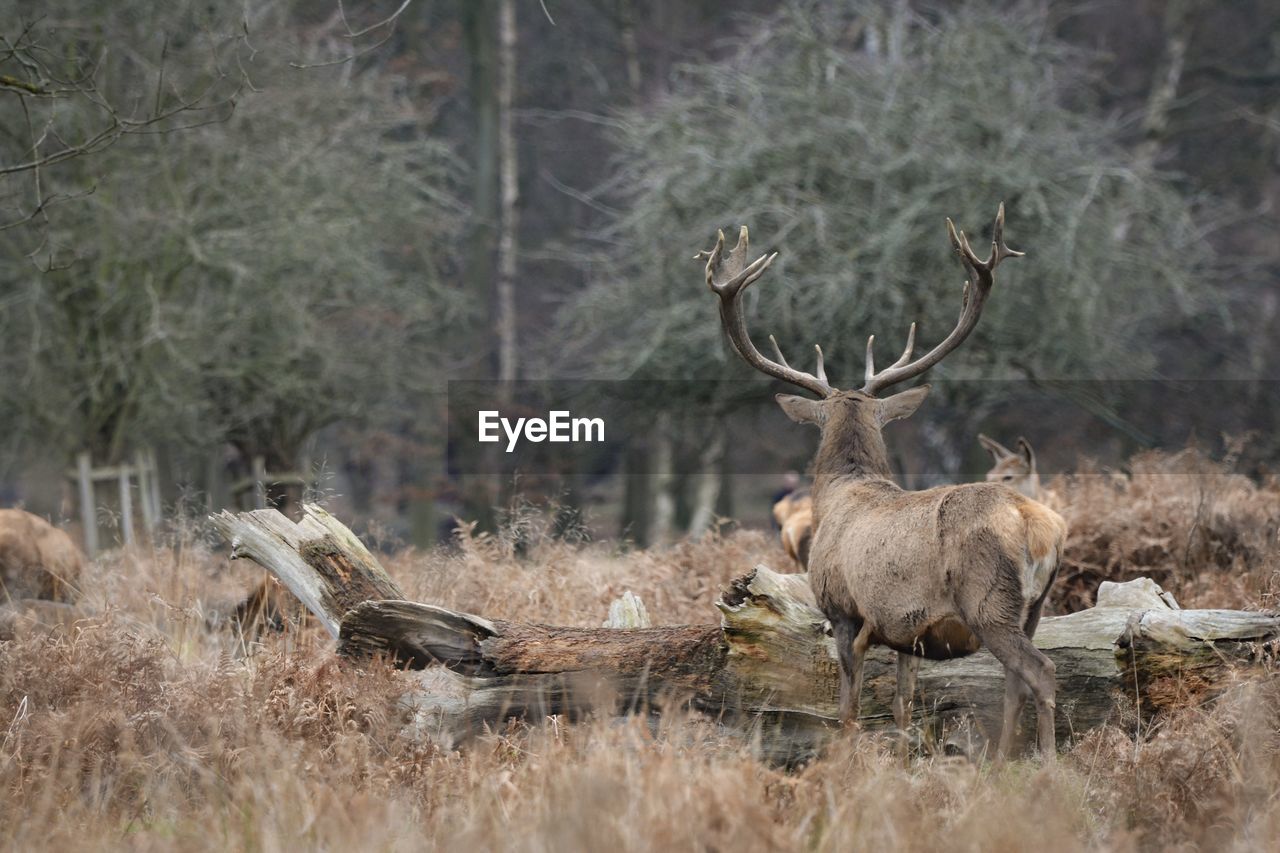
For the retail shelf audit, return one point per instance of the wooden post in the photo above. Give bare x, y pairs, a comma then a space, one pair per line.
259, 482
153, 471
126, 503
88, 512
143, 469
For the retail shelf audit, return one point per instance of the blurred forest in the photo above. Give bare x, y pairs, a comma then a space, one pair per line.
274, 231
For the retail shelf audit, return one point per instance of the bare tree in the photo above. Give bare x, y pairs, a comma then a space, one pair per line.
74, 84
250, 281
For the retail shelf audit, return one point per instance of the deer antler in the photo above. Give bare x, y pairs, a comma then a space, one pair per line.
728, 276
976, 290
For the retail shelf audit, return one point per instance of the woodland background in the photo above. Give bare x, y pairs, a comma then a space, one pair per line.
277, 229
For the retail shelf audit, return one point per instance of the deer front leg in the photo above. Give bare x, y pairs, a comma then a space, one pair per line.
904, 695
903, 698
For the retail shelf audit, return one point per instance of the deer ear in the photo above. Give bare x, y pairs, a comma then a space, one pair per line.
902, 405
802, 410
997, 450
1028, 455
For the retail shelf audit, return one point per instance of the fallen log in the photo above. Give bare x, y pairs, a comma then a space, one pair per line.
767, 669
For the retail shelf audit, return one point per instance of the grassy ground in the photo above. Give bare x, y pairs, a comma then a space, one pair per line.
146, 728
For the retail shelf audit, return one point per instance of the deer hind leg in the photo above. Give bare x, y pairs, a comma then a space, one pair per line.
1016, 691
1024, 662
853, 637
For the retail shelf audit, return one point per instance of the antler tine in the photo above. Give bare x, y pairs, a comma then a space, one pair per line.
727, 276
910, 348
820, 372
902, 359
777, 350
999, 250
972, 300
734, 274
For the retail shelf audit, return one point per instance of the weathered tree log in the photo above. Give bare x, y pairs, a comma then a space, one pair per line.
769, 668
318, 558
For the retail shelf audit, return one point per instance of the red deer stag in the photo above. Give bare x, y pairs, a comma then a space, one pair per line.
1017, 470
37, 560
931, 574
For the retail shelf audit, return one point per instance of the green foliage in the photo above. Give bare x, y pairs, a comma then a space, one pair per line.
847, 159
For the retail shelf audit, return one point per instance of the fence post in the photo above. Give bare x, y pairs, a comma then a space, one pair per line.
126, 503
144, 492
154, 472
88, 513
259, 482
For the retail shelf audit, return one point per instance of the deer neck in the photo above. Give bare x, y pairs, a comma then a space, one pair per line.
851, 449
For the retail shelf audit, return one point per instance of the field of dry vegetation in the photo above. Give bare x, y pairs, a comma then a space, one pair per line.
148, 726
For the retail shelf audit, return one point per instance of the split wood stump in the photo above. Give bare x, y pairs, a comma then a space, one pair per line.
767, 669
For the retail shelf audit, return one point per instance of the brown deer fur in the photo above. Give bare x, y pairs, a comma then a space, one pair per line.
931, 574
794, 514
37, 560
269, 606
1017, 470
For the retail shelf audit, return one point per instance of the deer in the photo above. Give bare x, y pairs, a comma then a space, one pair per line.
932, 574
37, 560
1017, 470
794, 514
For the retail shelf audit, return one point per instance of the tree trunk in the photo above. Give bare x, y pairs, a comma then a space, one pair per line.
636, 499
505, 328
480, 21
768, 669
630, 47
707, 485
478, 491
662, 461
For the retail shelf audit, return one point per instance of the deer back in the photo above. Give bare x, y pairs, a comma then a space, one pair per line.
37, 560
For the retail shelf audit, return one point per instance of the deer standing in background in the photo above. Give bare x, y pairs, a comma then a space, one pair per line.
1015, 470
932, 574
794, 514
37, 560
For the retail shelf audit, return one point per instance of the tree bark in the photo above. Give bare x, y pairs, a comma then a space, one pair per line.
636, 498
630, 47
505, 327
662, 462
768, 669
707, 484
480, 23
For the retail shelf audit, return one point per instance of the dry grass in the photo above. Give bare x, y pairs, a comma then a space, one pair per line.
148, 729
1204, 533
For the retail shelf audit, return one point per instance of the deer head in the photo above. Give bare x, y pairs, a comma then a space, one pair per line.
850, 420
1015, 469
